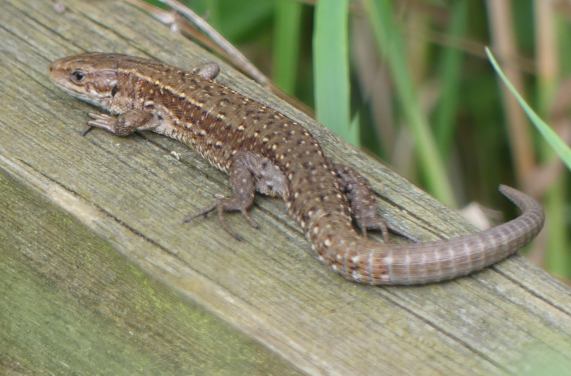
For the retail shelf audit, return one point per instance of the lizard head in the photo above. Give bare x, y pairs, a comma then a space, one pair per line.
91, 77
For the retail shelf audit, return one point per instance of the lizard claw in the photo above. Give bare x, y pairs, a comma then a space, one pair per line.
86, 131
221, 208
380, 226
202, 213
102, 121
249, 219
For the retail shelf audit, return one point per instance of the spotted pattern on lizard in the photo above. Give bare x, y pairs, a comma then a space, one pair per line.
262, 149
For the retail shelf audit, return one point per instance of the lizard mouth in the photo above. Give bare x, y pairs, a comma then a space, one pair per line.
78, 93
84, 79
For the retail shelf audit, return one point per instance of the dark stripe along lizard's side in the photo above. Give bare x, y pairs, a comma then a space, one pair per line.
262, 149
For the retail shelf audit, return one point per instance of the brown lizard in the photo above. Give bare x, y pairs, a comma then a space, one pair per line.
263, 150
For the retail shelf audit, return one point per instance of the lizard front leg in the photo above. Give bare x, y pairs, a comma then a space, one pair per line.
123, 124
362, 199
243, 183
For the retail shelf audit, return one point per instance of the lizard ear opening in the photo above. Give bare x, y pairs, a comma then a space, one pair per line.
114, 90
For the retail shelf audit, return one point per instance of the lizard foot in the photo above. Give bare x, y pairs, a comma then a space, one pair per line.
379, 225
123, 124
221, 206
100, 120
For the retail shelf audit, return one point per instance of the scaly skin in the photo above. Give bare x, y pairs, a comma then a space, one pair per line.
264, 150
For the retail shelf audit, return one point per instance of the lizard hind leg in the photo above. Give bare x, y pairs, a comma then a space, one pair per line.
243, 192
362, 200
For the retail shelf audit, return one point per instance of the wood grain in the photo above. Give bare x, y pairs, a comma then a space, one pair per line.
132, 193
71, 304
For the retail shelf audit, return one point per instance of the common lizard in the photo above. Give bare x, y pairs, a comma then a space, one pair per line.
263, 150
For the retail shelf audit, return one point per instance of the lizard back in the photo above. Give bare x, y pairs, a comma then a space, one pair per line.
221, 123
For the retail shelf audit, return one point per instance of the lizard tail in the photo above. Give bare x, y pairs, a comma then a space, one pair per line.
365, 261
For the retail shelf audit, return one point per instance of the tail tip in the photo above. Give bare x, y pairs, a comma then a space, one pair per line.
506, 190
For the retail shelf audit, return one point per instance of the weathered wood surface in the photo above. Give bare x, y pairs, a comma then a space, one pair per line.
71, 304
61, 284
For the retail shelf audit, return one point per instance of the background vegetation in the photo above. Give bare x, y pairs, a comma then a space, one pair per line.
410, 82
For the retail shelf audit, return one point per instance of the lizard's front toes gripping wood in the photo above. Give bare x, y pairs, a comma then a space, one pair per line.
243, 187
100, 120
124, 124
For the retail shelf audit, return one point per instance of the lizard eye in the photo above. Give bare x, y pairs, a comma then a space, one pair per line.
77, 75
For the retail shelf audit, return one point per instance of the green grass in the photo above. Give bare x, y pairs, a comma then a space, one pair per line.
449, 71
391, 45
331, 67
558, 259
558, 145
286, 46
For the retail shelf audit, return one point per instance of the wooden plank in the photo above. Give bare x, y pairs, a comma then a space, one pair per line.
72, 305
134, 193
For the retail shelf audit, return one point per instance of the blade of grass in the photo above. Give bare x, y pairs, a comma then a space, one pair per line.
558, 145
390, 43
286, 44
564, 29
331, 68
235, 55
450, 75
557, 258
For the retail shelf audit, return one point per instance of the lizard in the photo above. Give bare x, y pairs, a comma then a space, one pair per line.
263, 150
